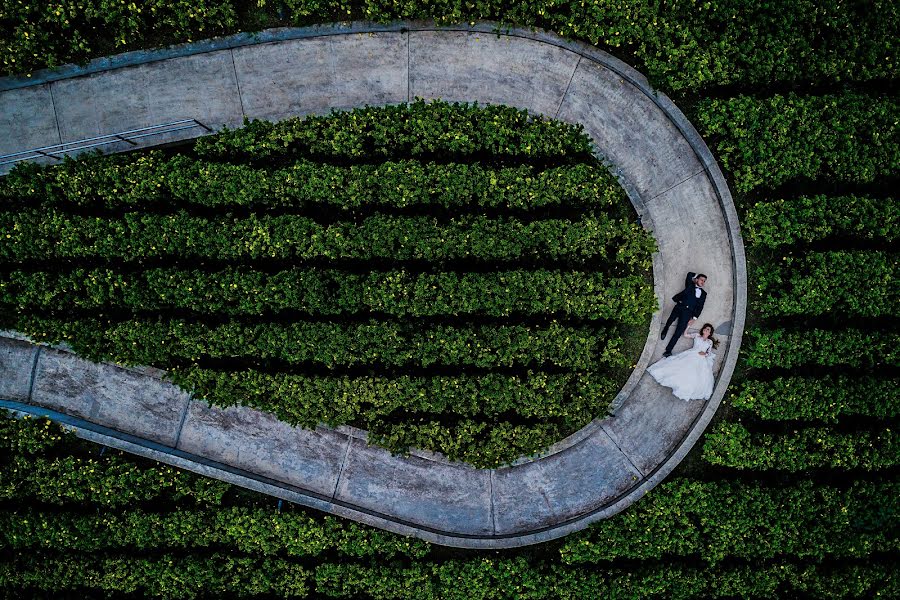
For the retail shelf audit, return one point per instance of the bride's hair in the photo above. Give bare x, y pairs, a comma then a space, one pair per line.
712, 330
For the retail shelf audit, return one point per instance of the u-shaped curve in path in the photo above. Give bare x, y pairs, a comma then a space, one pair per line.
669, 173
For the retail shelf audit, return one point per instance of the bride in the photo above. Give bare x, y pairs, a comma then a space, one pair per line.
690, 373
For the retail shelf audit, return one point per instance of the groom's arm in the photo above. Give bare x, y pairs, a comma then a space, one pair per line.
689, 279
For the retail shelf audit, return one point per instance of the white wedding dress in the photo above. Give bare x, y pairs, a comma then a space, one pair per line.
688, 374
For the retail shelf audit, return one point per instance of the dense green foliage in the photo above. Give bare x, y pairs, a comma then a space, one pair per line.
799, 485
808, 219
333, 345
252, 255
420, 129
720, 521
166, 550
150, 180
848, 137
400, 293
732, 445
852, 283
817, 398
682, 45
142, 237
786, 349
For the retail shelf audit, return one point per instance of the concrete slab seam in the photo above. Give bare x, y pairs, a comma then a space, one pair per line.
622, 452
675, 185
408, 70
568, 85
337, 481
682, 125
184, 413
34, 366
55, 114
493, 513
237, 82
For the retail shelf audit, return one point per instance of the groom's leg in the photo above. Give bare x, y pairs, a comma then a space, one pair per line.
683, 319
672, 318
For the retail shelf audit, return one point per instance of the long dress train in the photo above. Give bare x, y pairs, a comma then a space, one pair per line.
688, 374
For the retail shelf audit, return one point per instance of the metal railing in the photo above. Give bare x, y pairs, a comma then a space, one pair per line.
122, 136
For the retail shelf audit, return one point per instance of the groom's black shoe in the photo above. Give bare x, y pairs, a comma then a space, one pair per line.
663, 334
667, 354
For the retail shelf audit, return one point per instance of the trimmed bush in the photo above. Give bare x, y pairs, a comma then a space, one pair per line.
732, 445
765, 142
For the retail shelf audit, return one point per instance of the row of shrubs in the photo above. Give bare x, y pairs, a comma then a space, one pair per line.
681, 46
463, 417
765, 142
329, 292
152, 181
851, 347
770, 224
178, 342
826, 398
845, 284
590, 240
179, 576
419, 129
725, 520
730, 444
42, 463
761, 523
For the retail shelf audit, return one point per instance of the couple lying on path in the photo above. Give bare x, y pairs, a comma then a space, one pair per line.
688, 373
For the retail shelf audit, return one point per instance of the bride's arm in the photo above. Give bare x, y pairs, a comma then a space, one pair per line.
690, 335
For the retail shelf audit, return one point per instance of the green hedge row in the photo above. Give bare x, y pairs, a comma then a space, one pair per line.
162, 576
844, 284
50, 234
32, 472
718, 520
495, 578
435, 129
687, 46
681, 45
855, 348
815, 218
171, 576
817, 398
312, 400
330, 345
730, 444
253, 531
149, 179
764, 142
553, 406
242, 291
37, 35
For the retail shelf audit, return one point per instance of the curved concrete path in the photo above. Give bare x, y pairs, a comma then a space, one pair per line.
668, 171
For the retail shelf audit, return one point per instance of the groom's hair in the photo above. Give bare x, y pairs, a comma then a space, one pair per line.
699, 275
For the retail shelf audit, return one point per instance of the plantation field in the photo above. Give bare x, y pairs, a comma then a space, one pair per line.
458, 279
791, 493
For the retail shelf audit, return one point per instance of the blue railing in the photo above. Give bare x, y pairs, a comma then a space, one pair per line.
56, 151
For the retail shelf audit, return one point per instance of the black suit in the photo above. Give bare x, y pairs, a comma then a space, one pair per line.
687, 306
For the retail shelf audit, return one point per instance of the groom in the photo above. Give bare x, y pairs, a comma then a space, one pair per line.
688, 304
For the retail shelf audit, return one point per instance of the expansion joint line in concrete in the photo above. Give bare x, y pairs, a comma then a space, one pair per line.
408, 73
34, 365
675, 185
568, 85
237, 82
184, 413
337, 481
493, 513
579, 483
55, 114
619, 448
